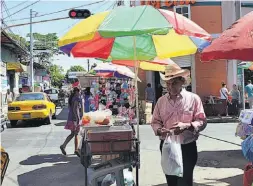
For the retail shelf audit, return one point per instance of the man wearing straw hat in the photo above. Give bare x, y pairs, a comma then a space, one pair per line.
182, 112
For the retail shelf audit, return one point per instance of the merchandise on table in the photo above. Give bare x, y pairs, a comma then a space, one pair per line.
247, 148
97, 117
245, 127
244, 130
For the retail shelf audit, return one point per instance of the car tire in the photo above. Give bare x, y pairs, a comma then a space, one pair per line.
54, 115
13, 123
48, 120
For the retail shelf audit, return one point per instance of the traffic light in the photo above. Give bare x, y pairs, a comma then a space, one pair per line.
79, 13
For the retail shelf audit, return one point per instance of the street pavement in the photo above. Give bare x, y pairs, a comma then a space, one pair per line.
35, 158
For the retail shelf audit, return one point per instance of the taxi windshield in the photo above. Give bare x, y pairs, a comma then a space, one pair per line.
30, 97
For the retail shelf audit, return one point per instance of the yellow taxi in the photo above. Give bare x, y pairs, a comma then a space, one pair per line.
31, 106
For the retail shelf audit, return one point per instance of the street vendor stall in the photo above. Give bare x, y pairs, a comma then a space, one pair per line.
101, 135
133, 33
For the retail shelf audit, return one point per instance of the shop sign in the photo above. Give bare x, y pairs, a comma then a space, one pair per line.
2, 69
160, 3
40, 72
73, 75
46, 78
4, 83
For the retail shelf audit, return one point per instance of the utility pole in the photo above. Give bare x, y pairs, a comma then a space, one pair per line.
31, 51
238, 14
237, 10
88, 61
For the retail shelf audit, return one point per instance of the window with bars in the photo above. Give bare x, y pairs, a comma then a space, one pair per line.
185, 10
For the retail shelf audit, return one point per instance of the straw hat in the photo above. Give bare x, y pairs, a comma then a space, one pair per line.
172, 71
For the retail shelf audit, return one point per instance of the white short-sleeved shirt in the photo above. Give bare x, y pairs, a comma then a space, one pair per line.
223, 93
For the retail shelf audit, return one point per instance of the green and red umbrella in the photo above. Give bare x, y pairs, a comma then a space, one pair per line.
159, 33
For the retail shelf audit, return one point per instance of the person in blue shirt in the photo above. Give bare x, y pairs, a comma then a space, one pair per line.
249, 93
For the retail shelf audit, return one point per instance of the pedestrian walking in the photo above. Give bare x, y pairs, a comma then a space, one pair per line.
249, 93
183, 112
224, 98
235, 93
73, 120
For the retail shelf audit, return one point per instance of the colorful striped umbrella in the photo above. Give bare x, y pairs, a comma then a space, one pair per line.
134, 33
155, 65
112, 70
159, 33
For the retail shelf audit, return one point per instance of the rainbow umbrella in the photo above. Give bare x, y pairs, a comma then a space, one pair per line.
134, 33
158, 33
155, 65
113, 70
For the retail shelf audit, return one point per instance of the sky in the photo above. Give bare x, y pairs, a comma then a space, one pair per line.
60, 27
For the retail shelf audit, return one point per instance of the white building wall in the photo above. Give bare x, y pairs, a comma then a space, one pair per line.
228, 18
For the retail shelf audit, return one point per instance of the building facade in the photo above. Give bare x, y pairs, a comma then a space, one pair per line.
214, 17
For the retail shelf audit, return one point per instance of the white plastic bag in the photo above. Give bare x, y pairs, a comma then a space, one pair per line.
108, 180
172, 160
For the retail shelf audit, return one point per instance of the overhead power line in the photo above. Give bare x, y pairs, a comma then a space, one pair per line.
22, 9
42, 21
8, 13
59, 11
16, 5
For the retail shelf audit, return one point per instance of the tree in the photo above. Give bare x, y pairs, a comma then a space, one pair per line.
76, 68
22, 41
45, 41
56, 74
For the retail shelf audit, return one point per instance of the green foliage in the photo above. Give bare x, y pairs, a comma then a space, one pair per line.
56, 73
76, 68
20, 40
45, 41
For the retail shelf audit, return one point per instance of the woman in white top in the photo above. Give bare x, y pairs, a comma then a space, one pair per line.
9, 96
224, 98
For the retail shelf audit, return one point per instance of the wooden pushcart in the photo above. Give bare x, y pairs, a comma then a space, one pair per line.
125, 147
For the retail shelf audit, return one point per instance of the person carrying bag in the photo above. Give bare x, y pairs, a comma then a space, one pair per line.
172, 161
182, 112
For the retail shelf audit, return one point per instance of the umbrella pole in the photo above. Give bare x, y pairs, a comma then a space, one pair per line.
136, 67
243, 91
136, 86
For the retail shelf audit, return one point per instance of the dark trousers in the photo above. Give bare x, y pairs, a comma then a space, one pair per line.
190, 156
235, 106
224, 106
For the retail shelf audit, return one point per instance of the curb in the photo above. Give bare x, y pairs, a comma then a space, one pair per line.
222, 120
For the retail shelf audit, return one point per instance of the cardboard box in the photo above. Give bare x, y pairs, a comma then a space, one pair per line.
111, 136
148, 108
148, 118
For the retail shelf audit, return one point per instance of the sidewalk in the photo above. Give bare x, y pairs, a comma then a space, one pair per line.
223, 119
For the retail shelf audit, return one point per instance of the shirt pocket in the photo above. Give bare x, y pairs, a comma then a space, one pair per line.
187, 116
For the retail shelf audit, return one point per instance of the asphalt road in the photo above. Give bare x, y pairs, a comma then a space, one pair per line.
36, 159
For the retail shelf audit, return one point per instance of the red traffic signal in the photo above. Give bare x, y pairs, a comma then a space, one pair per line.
79, 13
